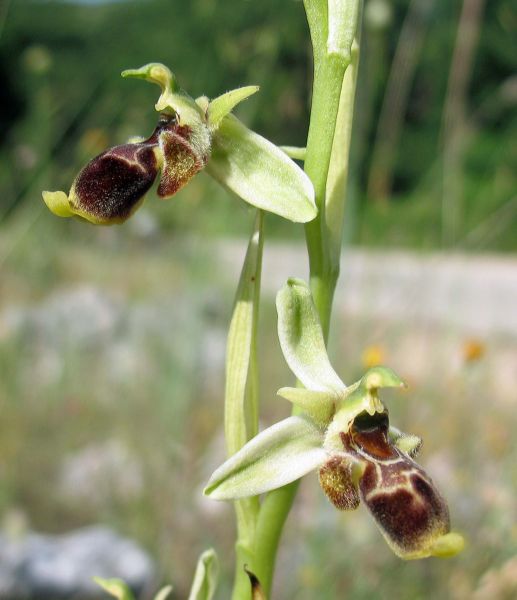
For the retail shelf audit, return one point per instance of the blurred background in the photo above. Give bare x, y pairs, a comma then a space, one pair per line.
112, 340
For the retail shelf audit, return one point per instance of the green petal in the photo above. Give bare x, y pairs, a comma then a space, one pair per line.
277, 456
223, 105
260, 173
301, 339
319, 406
407, 442
205, 577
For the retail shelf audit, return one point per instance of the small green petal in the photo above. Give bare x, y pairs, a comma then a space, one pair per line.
115, 587
58, 203
260, 173
301, 339
224, 104
275, 457
205, 577
319, 406
409, 444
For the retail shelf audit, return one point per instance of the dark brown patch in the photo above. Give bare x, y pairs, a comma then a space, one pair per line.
370, 433
408, 516
109, 187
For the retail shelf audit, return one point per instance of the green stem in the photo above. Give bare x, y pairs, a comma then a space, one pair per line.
321, 245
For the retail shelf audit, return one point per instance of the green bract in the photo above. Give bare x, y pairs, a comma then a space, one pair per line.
191, 135
345, 435
205, 577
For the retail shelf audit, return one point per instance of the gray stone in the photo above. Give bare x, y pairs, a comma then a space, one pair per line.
62, 567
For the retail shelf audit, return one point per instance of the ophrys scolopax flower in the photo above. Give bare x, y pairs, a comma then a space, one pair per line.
343, 433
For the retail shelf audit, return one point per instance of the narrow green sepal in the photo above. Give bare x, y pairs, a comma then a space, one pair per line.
223, 105
259, 172
205, 577
58, 203
294, 152
301, 339
319, 406
115, 587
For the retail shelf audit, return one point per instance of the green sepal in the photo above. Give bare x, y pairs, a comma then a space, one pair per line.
223, 105
115, 587
205, 577
275, 457
259, 172
301, 339
320, 406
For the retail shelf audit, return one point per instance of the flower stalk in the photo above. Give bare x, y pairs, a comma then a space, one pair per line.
328, 146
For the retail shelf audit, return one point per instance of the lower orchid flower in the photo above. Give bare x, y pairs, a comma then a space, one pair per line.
344, 434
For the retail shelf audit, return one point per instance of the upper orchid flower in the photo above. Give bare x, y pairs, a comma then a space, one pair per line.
344, 434
190, 135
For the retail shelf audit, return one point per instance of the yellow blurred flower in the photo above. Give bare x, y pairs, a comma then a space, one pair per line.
373, 356
473, 350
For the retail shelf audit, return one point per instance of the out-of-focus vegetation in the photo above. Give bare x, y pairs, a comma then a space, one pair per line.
436, 120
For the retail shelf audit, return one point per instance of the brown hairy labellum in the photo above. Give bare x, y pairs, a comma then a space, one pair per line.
112, 185
402, 498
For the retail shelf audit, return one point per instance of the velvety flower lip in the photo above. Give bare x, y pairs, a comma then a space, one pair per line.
112, 185
345, 435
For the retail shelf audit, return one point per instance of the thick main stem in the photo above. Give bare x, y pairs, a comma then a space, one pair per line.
323, 278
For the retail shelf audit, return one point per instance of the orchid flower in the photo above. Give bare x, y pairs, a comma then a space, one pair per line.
344, 434
190, 135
